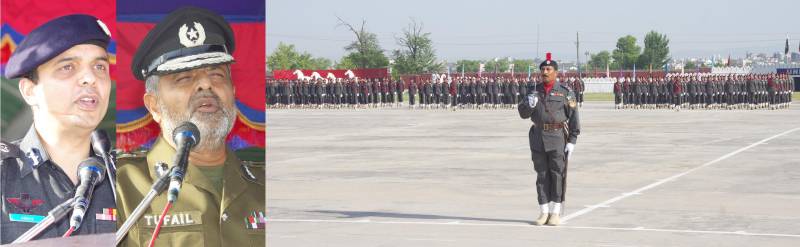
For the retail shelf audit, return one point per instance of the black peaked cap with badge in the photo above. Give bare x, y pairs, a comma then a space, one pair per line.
549, 62
185, 39
54, 37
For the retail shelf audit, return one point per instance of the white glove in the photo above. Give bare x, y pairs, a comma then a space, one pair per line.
532, 100
570, 147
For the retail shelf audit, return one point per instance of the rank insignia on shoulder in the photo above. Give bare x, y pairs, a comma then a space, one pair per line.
8, 150
248, 173
255, 220
4, 148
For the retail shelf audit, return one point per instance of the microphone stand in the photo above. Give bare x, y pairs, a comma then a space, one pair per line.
111, 172
102, 147
156, 189
55, 215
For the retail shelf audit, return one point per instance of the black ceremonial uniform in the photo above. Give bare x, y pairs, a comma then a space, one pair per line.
33, 185
555, 123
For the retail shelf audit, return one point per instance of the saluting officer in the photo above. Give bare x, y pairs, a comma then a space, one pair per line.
551, 106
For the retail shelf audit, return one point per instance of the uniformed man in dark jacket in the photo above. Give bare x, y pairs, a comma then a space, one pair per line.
392, 92
617, 94
63, 68
338, 93
428, 90
412, 92
222, 199
552, 108
399, 89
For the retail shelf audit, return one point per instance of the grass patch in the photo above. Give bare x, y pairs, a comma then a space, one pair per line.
598, 97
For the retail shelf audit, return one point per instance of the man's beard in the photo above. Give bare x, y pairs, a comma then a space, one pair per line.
214, 127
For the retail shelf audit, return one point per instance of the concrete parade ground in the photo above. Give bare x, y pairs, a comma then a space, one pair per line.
399, 177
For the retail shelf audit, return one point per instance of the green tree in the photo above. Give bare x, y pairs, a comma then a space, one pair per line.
469, 66
502, 65
656, 51
345, 63
286, 57
320, 63
365, 51
417, 54
627, 52
600, 60
690, 65
521, 65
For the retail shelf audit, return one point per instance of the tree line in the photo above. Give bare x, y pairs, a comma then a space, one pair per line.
417, 54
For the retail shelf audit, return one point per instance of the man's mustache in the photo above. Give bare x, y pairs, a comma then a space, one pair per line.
195, 101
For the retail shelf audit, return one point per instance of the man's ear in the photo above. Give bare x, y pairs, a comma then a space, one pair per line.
151, 102
27, 89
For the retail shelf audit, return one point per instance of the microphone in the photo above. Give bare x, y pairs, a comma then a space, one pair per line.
102, 147
90, 173
186, 136
100, 143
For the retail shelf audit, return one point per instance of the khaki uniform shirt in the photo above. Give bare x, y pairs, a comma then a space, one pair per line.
201, 216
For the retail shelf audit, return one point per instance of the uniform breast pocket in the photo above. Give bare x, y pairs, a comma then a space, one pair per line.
174, 236
556, 99
553, 102
257, 237
105, 226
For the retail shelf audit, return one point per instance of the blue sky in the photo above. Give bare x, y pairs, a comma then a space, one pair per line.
471, 29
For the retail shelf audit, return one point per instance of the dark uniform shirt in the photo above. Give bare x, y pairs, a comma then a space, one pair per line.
556, 107
32, 185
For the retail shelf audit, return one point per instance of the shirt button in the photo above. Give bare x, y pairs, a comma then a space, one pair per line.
224, 216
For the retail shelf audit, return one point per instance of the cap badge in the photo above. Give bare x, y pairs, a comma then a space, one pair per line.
191, 37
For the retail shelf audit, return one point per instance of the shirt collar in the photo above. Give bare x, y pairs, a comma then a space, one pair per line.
34, 154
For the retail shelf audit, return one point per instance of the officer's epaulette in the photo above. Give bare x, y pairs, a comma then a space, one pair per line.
253, 171
254, 163
567, 87
132, 155
9, 150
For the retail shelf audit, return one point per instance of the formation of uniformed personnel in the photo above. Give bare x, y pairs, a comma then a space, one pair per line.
434, 93
185, 62
335, 94
64, 78
704, 91
552, 107
471, 93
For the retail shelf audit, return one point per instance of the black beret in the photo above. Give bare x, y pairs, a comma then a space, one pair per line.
548, 62
54, 37
187, 38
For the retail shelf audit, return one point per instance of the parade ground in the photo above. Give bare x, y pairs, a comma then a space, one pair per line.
397, 177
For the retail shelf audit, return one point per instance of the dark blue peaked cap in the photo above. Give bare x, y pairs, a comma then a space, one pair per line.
54, 37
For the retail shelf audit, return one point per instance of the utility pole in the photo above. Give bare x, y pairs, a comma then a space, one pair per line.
537, 41
578, 53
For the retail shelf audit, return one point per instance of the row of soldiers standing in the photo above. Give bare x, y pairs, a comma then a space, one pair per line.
704, 91
323, 93
461, 92
477, 92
